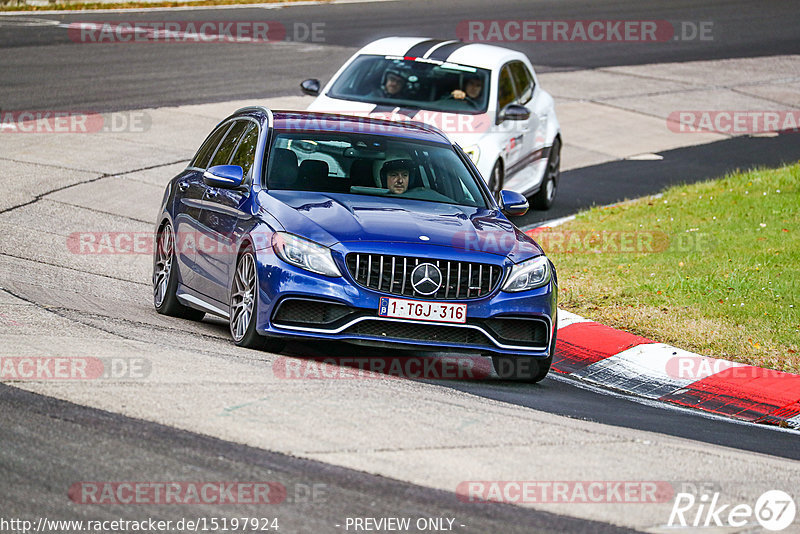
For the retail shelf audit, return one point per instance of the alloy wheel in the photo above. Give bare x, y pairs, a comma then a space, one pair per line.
243, 296
163, 266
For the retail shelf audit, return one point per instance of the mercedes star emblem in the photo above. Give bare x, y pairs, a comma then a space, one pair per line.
426, 279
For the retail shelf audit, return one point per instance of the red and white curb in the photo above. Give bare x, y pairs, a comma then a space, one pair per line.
604, 356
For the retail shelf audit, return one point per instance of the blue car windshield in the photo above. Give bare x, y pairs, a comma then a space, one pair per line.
363, 164
414, 83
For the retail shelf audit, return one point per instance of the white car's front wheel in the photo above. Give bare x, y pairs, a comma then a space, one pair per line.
544, 198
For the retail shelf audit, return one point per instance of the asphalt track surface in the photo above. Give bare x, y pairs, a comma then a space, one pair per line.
45, 440
44, 452
44, 69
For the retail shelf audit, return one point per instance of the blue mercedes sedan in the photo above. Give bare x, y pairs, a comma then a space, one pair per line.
326, 227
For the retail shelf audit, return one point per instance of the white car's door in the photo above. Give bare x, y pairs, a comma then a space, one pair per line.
512, 132
533, 141
519, 135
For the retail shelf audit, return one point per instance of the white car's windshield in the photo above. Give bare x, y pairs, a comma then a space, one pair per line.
375, 165
414, 83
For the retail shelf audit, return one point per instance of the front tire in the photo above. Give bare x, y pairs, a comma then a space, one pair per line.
544, 198
244, 306
165, 279
525, 368
522, 368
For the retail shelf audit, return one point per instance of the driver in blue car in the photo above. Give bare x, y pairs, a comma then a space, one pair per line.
396, 174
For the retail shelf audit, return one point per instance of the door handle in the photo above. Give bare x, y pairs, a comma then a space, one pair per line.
213, 192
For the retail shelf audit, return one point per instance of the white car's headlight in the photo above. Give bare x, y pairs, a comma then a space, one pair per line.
528, 275
474, 153
304, 254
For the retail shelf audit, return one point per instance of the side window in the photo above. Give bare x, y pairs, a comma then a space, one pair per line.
505, 89
228, 144
203, 155
246, 152
523, 80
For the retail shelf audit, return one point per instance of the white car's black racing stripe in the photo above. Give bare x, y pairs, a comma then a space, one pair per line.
536, 155
408, 112
444, 52
419, 49
382, 108
433, 49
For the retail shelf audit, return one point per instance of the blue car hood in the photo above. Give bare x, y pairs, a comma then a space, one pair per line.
330, 218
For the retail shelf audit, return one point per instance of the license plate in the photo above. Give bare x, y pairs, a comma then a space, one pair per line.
418, 310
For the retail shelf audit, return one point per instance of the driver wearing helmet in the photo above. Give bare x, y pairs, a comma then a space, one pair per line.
392, 84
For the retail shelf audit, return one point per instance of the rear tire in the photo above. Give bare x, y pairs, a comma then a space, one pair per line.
165, 278
544, 198
244, 306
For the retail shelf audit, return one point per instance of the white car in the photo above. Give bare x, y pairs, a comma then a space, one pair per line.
485, 98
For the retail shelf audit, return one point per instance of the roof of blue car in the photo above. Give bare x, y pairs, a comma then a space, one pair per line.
307, 121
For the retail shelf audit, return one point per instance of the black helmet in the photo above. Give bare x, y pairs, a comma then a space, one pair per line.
394, 72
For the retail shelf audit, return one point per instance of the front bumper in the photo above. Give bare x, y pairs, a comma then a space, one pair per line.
300, 304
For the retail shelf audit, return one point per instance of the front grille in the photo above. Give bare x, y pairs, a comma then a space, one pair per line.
392, 274
299, 312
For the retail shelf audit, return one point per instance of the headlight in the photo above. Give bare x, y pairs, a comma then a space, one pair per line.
528, 275
474, 153
304, 254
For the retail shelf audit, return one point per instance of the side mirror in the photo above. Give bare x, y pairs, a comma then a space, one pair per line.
512, 203
513, 112
224, 176
310, 86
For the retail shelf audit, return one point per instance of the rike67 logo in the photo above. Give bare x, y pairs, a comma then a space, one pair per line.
774, 510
